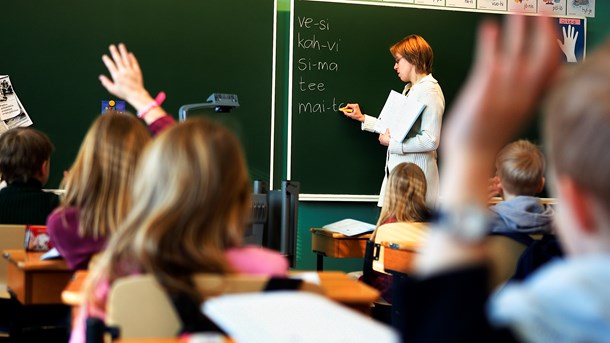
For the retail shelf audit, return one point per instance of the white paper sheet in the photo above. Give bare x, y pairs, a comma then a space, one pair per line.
12, 112
350, 227
283, 316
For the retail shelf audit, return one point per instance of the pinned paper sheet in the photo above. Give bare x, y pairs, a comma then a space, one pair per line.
398, 114
12, 113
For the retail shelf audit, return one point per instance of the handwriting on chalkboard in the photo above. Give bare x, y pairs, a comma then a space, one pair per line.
315, 63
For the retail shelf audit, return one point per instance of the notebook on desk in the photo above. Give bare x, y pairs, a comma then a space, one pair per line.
350, 227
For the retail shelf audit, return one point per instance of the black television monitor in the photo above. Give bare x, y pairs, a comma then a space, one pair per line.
275, 218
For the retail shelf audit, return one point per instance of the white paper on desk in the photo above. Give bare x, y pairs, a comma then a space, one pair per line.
284, 316
53, 253
350, 227
398, 114
311, 277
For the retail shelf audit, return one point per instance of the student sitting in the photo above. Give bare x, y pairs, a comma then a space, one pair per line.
96, 199
190, 205
563, 301
405, 201
522, 236
520, 174
25, 157
97, 185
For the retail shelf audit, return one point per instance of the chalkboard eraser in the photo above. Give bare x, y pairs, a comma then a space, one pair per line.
346, 110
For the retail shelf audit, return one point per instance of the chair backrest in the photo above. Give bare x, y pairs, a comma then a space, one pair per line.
504, 254
141, 308
11, 237
405, 236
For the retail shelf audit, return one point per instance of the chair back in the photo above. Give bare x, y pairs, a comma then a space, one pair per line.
504, 254
11, 237
402, 236
140, 308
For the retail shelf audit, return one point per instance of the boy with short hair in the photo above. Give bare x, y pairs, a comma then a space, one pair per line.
520, 173
25, 156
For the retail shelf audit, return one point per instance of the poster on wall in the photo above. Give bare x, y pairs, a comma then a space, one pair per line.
571, 38
462, 3
522, 6
554, 7
12, 112
430, 2
585, 8
495, 5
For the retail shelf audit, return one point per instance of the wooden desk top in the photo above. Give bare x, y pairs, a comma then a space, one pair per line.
339, 287
30, 261
72, 295
336, 286
337, 235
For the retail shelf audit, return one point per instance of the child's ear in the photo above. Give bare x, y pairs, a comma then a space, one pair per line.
579, 203
542, 182
44, 171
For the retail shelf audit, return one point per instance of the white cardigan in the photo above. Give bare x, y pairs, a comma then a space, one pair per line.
421, 147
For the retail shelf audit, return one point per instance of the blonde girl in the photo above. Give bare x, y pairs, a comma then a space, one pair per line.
191, 203
97, 187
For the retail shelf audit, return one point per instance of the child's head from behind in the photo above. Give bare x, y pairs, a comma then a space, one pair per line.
25, 154
191, 201
520, 166
405, 197
577, 137
100, 179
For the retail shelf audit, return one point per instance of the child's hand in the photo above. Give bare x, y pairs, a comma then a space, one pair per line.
495, 187
127, 82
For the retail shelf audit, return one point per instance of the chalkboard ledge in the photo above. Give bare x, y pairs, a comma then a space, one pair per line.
339, 197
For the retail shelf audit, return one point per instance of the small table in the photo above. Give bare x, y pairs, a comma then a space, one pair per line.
333, 244
34, 281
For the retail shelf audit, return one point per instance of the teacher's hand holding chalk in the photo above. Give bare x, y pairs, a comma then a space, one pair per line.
353, 111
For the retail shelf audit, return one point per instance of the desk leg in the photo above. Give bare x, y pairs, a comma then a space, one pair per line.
319, 262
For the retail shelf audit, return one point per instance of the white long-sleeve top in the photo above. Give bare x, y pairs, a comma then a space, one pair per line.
420, 145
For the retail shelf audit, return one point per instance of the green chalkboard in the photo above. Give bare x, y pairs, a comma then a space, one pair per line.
340, 55
189, 48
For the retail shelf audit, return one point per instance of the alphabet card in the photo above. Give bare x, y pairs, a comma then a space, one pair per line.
523, 6
584, 8
555, 7
495, 5
461, 3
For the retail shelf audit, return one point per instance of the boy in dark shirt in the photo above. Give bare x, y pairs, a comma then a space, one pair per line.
25, 156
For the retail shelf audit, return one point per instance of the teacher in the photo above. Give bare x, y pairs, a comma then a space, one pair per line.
413, 56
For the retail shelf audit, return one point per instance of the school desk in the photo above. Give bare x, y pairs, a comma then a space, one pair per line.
33, 281
333, 244
335, 285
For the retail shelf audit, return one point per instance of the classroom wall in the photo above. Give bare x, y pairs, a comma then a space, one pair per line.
315, 214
